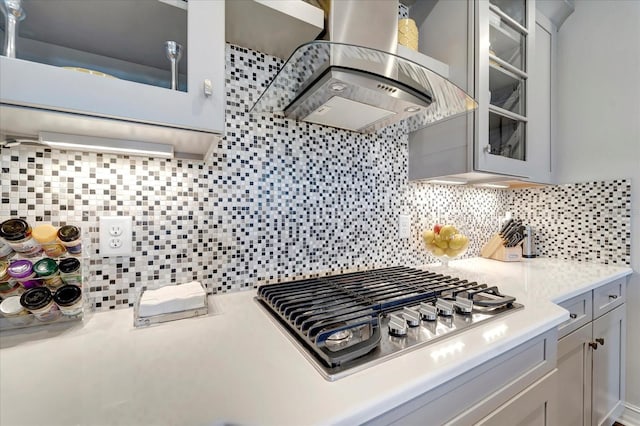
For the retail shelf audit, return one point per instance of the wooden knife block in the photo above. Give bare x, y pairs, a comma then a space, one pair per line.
494, 249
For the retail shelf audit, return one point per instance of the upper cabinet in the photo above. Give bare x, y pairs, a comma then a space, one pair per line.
505, 45
274, 27
104, 68
496, 59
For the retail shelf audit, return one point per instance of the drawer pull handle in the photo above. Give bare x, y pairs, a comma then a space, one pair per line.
600, 340
573, 316
593, 345
613, 296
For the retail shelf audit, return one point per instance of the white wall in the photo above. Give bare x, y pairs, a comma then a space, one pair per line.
598, 131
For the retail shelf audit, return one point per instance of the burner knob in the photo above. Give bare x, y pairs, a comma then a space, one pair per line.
444, 307
464, 305
428, 312
411, 316
397, 325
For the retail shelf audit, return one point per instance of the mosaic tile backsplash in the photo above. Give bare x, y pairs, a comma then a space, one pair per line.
589, 222
279, 200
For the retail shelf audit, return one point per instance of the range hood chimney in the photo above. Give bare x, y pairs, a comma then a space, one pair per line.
356, 81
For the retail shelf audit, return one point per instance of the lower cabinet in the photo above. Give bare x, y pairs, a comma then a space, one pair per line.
591, 359
513, 388
535, 406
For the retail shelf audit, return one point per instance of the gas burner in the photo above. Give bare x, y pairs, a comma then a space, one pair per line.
339, 339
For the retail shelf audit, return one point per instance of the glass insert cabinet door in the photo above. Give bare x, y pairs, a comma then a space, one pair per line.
504, 44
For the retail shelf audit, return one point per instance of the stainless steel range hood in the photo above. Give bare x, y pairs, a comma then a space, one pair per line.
356, 81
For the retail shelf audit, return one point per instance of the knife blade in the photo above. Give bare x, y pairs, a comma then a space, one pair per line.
517, 237
510, 231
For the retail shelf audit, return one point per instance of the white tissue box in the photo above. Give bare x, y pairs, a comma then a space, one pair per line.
170, 302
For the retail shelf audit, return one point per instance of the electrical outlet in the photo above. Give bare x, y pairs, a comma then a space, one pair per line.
404, 226
116, 236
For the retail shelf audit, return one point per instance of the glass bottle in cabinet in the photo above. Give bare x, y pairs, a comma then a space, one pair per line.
505, 41
111, 59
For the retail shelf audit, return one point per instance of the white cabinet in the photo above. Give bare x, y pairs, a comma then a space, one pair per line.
516, 385
498, 61
535, 406
591, 357
124, 42
542, 91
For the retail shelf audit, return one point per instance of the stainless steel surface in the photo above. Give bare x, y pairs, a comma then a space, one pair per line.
346, 323
528, 246
366, 90
381, 87
174, 54
351, 21
13, 14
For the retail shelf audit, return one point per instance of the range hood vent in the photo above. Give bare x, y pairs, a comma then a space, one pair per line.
360, 89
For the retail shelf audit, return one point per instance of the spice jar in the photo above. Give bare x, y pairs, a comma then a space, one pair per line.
69, 236
47, 236
21, 270
39, 302
70, 271
17, 234
4, 271
10, 288
47, 270
69, 300
14, 312
5, 251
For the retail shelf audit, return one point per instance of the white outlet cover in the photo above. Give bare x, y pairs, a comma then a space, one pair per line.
404, 226
109, 246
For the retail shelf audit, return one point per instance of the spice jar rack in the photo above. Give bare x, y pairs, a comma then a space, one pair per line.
56, 280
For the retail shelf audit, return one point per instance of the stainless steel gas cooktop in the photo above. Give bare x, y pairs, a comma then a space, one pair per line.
348, 322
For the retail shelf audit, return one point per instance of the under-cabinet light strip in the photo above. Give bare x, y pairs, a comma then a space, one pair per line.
105, 145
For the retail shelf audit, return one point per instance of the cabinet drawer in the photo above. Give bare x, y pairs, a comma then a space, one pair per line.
580, 311
609, 296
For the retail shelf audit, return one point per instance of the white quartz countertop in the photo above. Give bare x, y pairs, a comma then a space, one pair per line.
238, 367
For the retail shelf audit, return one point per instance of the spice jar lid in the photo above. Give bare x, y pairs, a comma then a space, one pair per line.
11, 306
36, 298
68, 233
6, 286
45, 267
3, 269
68, 265
45, 233
67, 295
14, 229
20, 268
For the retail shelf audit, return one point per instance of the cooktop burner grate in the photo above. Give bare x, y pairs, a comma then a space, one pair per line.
340, 318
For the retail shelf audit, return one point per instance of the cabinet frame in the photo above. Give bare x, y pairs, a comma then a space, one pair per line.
602, 390
484, 160
32, 87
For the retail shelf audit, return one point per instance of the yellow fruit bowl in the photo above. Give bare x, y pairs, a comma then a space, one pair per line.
445, 242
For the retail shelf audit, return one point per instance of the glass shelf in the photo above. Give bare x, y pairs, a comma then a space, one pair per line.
507, 136
313, 58
507, 90
105, 37
515, 9
507, 44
